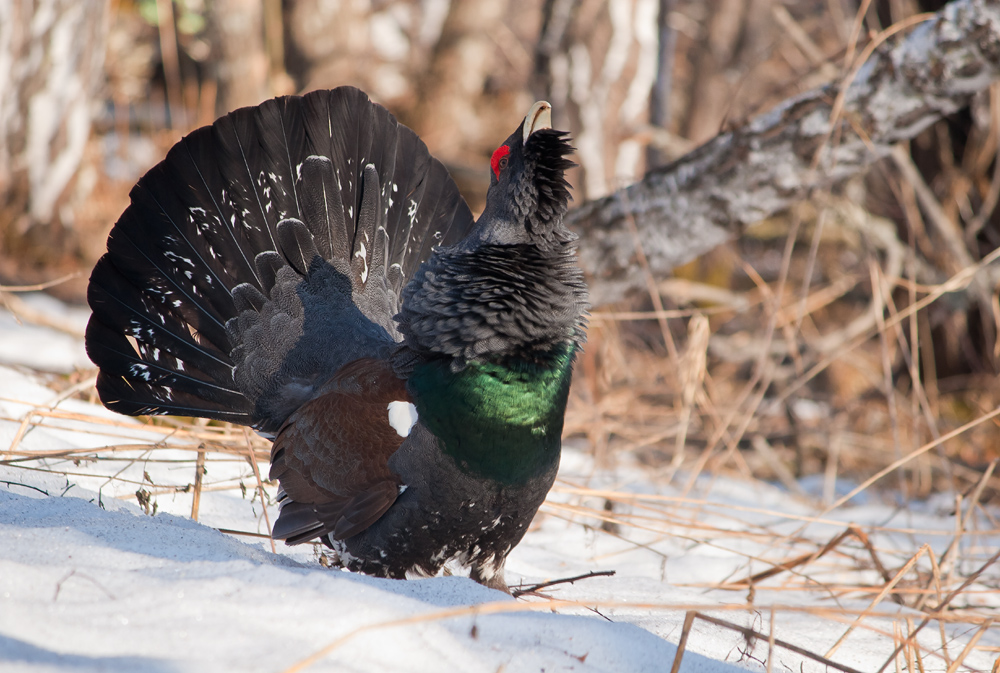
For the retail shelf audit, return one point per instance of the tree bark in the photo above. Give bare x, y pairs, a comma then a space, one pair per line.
51, 59
710, 195
238, 33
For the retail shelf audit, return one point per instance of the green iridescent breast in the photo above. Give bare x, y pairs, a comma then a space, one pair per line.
498, 420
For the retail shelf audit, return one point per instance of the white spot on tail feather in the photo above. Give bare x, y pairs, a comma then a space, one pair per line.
402, 417
363, 254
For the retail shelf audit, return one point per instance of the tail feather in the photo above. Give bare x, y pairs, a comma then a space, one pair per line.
235, 182
220, 228
268, 264
169, 271
138, 315
213, 267
425, 220
323, 209
280, 132
297, 245
154, 381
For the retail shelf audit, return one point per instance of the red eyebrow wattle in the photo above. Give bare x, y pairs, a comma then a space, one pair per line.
499, 154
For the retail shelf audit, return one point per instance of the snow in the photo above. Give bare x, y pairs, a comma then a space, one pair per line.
92, 581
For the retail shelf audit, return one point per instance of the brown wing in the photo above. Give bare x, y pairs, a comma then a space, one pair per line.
331, 455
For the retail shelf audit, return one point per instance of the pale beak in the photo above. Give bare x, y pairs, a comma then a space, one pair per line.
539, 117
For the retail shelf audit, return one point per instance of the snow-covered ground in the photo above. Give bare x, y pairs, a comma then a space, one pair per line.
92, 581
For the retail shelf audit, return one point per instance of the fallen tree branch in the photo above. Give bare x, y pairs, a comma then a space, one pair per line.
710, 195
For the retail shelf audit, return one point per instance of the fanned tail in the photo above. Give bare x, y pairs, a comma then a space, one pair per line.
262, 254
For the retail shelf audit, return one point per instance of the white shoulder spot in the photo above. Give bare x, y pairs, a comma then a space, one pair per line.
402, 417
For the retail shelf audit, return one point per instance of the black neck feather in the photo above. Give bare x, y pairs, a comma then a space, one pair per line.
495, 302
541, 196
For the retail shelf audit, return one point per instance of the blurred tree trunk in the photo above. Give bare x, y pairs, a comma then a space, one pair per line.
737, 33
237, 28
51, 60
659, 97
596, 61
462, 61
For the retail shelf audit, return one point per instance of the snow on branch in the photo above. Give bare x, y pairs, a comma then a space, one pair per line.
818, 138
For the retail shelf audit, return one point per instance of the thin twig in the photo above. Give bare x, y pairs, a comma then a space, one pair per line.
532, 588
260, 488
42, 286
749, 633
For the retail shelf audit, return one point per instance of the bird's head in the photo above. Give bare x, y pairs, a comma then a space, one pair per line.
511, 290
528, 194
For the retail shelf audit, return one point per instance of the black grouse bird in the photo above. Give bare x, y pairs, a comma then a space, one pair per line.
305, 267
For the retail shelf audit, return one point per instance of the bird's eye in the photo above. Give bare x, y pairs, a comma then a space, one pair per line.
498, 161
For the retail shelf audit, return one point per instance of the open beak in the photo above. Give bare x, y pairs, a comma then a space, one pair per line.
539, 117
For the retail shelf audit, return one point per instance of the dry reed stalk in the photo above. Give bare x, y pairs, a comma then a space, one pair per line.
217, 487
880, 592
790, 564
22, 311
682, 643
630, 316
770, 456
792, 314
664, 518
693, 368
755, 388
889, 390
674, 534
771, 641
243, 533
260, 488
41, 286
199, 471
989, 152
920, 397
803, 309
950, 555
651, 288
